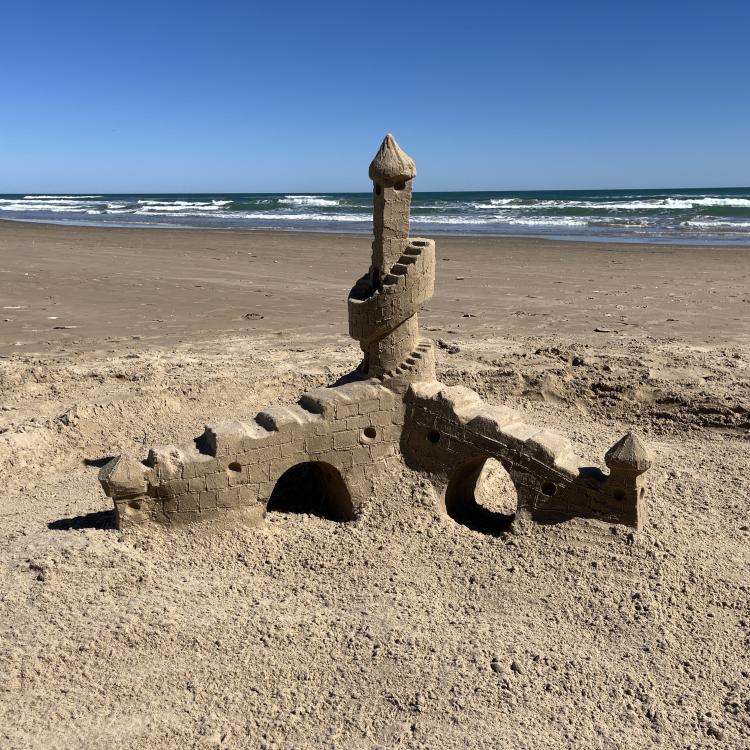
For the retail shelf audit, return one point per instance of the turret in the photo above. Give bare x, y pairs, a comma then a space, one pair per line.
627, 460
391, 172
125, 480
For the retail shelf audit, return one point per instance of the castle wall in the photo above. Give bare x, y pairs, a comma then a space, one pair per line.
447, 428
233, 467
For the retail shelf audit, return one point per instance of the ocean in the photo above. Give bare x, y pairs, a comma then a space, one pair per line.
702, 216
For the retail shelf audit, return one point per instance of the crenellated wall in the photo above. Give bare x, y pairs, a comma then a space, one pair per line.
449, 429
235, 464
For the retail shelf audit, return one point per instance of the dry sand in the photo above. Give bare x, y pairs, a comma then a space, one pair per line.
402, 629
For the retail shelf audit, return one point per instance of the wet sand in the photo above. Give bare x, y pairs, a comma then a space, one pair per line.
69, 287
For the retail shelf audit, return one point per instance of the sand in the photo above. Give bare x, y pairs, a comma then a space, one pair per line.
402, 629
68, 287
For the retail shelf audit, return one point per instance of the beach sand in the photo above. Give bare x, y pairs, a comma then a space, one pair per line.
64, 287
403, 628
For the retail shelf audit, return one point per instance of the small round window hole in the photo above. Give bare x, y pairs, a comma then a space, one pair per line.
370, 433
235, 467
549, 488
433, 436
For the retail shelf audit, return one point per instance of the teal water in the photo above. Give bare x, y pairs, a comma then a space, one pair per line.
690, 215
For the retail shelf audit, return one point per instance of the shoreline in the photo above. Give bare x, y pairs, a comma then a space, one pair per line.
85, 288
431, 231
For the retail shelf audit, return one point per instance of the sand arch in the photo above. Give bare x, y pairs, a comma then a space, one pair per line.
481, 496
313, 487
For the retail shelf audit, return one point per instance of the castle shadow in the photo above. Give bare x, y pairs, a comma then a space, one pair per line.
102, 519
97, 462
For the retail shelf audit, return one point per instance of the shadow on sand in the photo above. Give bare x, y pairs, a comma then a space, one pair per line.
102, 519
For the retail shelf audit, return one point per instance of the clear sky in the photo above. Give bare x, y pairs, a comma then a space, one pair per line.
296, 96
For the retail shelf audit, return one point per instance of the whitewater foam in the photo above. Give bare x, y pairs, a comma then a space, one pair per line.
157, 207
705, 216
707, 224
308, 200
497, 202
552, 221
273, 216
46, 207
645, 204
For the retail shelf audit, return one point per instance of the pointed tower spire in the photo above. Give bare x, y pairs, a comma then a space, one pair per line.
391, 163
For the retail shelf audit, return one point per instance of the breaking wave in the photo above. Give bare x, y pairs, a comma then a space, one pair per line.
736, 225
308, 200
271, 216
634, 205
551, 221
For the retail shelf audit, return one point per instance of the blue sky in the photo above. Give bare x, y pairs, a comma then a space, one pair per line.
242, 96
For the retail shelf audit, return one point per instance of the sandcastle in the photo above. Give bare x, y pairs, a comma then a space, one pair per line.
325, 452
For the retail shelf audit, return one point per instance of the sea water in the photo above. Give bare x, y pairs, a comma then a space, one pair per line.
705, 216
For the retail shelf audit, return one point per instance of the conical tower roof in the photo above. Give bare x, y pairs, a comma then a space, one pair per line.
123, 477
391, 163
630, 453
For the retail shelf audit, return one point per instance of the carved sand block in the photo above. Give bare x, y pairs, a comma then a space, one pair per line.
334, 441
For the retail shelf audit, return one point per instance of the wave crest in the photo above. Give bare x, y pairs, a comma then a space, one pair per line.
309, 200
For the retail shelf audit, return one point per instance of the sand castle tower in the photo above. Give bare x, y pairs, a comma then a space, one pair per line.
383, 304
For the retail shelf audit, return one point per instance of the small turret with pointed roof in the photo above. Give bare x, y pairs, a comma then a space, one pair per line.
391, 164
629, 454
123, 477
627, 460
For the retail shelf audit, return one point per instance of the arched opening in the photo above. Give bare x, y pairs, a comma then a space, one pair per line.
315, 488
481, 496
